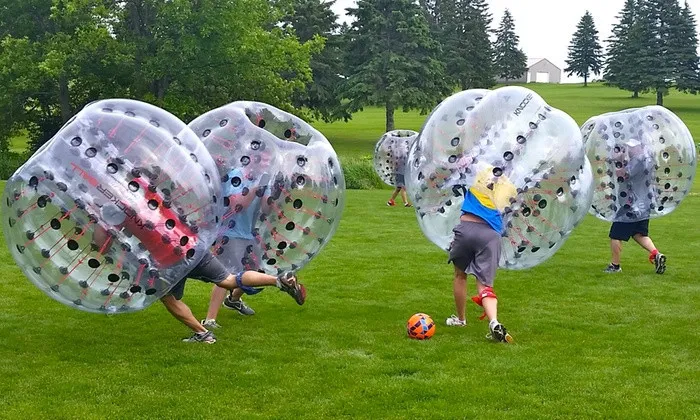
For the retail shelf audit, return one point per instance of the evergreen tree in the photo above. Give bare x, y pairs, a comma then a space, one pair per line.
510, 62
585, 51
392, 59
478, 70
310, 19
622, 53
687, 73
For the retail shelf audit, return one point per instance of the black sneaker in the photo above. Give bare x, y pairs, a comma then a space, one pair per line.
206, 337
499, 333
660, 263
238, 305
613, 269
289, 284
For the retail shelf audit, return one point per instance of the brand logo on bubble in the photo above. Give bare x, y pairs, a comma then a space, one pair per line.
523, 104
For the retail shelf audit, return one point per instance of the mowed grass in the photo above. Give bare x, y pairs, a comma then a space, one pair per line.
358, 136
589, 345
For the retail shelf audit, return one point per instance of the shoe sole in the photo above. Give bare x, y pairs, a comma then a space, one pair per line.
661, 265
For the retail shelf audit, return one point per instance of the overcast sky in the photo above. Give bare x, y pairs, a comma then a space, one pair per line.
545, 27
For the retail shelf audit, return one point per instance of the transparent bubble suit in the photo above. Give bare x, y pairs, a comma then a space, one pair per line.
112, 211
283, 186
390, 154
507, 135
644, 163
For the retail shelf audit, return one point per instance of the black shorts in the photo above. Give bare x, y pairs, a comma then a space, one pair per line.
624, 231
209, 270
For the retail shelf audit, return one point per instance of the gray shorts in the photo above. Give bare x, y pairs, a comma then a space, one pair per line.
400, 180
209, 270
476, 250
238, 254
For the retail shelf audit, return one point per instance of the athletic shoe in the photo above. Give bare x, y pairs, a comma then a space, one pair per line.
391, 203
408, 205
210, 324
453, 321
612, 269
289, 284
238, 305
660, 263
499, 333
206, 337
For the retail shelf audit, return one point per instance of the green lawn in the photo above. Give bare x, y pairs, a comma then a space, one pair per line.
359, 135
588, 344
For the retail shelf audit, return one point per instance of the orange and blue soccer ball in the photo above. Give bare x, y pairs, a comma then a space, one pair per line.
420, 327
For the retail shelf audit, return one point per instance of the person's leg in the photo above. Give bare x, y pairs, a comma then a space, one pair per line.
616, 251
655, 257
182, 313
645, 242
287, 283
490, 303
459, 288
404, 197
217, 299
391, 201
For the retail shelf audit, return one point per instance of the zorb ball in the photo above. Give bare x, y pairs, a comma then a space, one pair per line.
420, 327
115, 209
644, 163
282, 184
390, 155
509, 144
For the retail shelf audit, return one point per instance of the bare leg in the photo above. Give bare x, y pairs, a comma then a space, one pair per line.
645, 242
182, 313
396, 192
403, 196
490, 304
616, 249
217, 298
249, 278
459, 288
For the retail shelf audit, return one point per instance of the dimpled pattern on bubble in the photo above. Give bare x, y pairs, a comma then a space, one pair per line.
644, 162
114, 210
507, 136
390, 154
282, 183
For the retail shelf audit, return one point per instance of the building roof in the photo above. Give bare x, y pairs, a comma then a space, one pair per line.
532, 61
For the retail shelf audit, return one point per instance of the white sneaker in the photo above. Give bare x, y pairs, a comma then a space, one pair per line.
210, 323
453, 321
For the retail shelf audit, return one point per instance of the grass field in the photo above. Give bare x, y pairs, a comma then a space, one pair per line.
588, 345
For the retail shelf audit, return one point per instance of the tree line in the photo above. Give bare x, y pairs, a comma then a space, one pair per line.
189, 56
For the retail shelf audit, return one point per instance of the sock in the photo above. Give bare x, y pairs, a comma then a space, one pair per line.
615, 265
202, 333
653, 255
493, 323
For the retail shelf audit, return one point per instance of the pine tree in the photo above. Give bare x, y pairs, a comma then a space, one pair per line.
585, 51
510, 62
480, 50
392, 59
309, 19
622, 53
687, 74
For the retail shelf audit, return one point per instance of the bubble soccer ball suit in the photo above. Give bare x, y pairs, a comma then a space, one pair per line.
509, 145
644, 163
115, 209
390, 155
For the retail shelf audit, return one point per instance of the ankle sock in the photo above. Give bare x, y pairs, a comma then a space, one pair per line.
493, 323
616, 266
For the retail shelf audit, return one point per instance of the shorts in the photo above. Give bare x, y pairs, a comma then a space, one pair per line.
239, 255
476, 250
624, 231
209, 270
399, 181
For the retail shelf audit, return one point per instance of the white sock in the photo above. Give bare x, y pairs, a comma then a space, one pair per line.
493, 323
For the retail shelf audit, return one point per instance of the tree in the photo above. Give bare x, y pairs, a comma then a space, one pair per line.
464, 34
510, 61
311, 20
585, 51
622, 63
392, 59
687, 74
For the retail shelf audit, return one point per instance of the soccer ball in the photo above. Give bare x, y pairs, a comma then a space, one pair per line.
420, 327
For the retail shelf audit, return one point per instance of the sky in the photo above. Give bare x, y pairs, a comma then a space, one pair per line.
545, 27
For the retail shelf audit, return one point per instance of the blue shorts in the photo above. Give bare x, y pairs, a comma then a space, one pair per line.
622, 231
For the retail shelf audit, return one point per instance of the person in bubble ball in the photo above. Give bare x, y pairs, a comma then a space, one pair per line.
476, 248
240, 237
400, 182
635, 173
